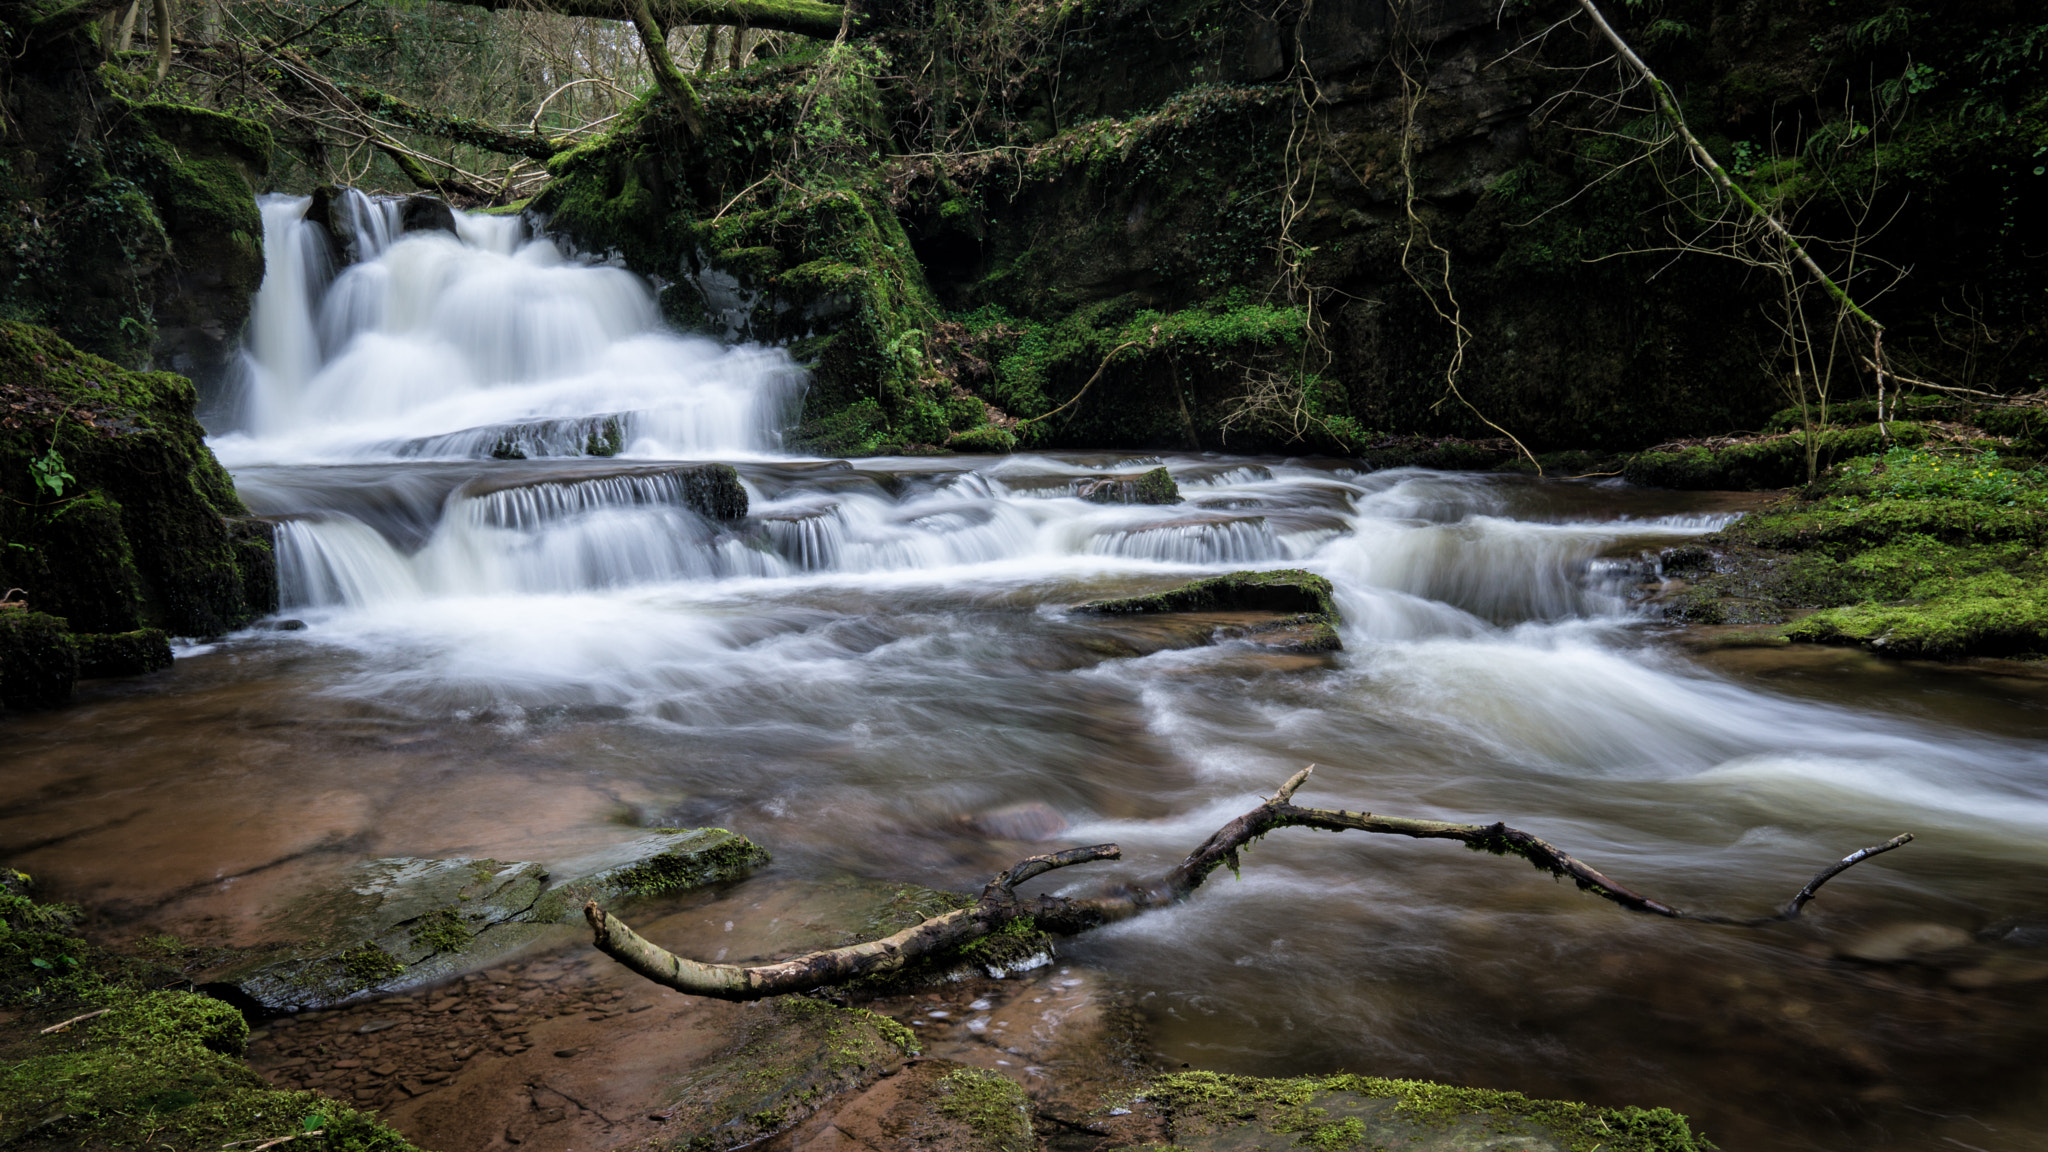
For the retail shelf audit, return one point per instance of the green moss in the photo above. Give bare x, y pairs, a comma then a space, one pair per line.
134, 653
369, 964
1206, 1101
441, 930
992, 1105
1755, 465
1993, 614
140, 537
693, 863
38, 661
154, 1070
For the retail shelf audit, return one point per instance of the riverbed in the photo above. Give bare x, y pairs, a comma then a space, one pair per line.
878, 673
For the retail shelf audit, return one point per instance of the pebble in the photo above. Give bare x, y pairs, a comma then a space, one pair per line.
1896, 943
565, 1053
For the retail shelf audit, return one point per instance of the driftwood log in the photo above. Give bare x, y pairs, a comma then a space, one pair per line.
1000, 905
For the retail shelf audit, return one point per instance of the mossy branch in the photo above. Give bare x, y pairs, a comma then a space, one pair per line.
999, 905
460, 129
803, 17
674, 84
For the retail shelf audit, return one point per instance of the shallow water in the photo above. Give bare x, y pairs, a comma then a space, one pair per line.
878, 674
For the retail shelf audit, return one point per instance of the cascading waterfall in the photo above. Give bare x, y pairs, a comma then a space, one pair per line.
478, 343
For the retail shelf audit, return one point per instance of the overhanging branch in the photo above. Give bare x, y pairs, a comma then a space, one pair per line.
999, 905
803, 17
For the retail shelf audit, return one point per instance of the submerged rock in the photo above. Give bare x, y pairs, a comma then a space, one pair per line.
1208, 1112
1300, 607
404, 923
1154, 487
793, 1055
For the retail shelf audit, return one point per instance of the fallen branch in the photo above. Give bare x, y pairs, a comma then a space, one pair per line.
59, 1027
999, 905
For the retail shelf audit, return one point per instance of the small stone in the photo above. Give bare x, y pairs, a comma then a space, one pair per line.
434, 1077
346, 1064
385, 1069
565, 1053
1897, 943
376, 1026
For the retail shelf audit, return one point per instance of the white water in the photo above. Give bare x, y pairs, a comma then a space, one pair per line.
885, 648
442, 346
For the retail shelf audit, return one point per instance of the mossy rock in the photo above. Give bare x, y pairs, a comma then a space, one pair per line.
1304, 603
134, 653
402, 923
38, 660
142, 1068
160, 1070
139, 535
1208, 1112
1154, 487
791, 1057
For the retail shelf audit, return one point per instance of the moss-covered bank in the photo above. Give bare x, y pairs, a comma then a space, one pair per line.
1916, 552
145, 1068
116, 518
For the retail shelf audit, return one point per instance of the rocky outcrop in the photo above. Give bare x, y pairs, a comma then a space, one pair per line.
407, 923
1288, 609
1154, 487
117, 517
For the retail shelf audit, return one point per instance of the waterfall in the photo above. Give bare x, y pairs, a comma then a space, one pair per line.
485, 342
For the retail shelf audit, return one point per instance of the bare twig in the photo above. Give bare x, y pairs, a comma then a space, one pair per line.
74, 1020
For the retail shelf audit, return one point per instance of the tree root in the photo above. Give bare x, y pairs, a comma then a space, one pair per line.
1000, 906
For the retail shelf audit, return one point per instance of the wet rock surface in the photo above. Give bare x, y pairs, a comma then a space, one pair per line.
1288, 610
406, 923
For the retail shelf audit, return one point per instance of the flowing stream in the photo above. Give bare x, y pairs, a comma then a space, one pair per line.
519, 637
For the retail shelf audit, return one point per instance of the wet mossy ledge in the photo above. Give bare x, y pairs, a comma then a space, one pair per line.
403, 923
116, 519
1916, 552
1205, 1110
136, 1067
1303, 605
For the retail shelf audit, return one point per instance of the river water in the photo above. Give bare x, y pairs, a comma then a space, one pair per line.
513, 647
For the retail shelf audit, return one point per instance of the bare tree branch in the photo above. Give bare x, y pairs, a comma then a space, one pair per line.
999, 905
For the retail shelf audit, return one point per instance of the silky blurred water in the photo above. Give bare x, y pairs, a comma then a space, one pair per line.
520, 657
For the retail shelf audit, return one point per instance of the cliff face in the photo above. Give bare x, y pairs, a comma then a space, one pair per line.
132, 228
965, 219
131, 241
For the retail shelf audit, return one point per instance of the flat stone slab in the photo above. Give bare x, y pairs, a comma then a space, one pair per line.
1289, 609
1209, 1112
402, 923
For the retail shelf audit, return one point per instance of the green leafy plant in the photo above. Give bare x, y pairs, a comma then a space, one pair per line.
48, 470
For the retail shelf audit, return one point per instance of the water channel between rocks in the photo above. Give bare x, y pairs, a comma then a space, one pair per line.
518, 649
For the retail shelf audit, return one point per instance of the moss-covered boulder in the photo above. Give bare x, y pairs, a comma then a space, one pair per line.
134, 653
1207, 1112
1302, 605
404, 923
38, 660
1154, 487
117, 517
